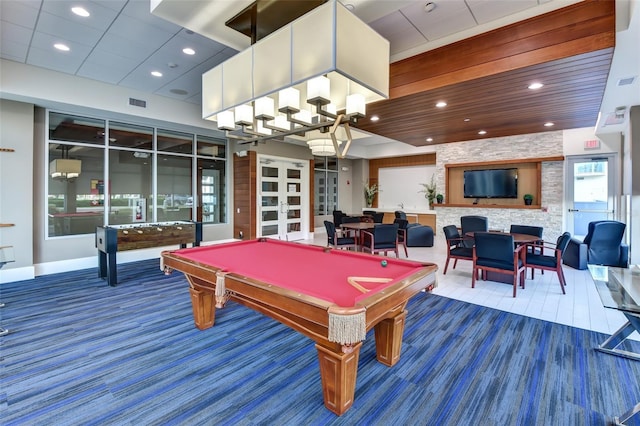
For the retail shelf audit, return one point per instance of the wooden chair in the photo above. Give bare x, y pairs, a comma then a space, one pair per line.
473, 224
456, 249
495, 252
382, 238
338, 238
538, 260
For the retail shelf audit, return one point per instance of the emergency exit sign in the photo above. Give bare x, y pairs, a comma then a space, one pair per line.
592, 144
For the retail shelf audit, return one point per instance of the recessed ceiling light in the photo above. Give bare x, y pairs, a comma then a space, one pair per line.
156, 73
428, 8
548, 124
80, 11
482, 132
441, 104
374, 118
188, 51
62, 47
466, 120
534, 86
429, 139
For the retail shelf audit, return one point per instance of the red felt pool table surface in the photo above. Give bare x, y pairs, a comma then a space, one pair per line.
312, 270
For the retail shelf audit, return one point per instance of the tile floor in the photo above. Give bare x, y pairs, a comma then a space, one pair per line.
542, 297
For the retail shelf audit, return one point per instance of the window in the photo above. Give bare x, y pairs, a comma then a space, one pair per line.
150, 176
326, 185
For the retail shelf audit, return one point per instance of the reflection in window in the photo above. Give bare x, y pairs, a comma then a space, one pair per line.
212, 178
130, 188
169, 141
175, 200
325, 176
79, 193
130, 136
72, 128
75, 201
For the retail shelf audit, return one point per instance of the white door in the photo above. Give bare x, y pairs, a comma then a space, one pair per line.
283, 198
591, 191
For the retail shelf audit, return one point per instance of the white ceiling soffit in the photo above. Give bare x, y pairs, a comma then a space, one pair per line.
206, 18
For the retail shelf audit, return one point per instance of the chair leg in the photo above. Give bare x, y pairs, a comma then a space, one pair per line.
406, 253
561, 279
515, 283
455, 263
473, 276
446, 265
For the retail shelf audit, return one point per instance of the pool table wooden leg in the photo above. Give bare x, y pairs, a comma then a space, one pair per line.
338, 374
204, 308
388, 334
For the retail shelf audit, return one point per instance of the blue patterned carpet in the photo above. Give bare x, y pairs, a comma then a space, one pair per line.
83, 353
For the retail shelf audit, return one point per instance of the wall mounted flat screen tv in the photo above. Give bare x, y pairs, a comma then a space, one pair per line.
493, 183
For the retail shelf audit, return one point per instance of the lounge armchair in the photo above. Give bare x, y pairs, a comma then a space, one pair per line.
601, 246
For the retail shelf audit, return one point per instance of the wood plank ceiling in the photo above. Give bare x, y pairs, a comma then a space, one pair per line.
484, 80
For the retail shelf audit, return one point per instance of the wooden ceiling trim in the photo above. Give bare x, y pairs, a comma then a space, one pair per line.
578, 29
511, 63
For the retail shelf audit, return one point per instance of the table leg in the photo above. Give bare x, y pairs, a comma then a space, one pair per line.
610, 345
204, 308
388, 334
338, 373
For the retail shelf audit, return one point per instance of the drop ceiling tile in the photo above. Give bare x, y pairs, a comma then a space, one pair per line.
398, 30
140, 32
489, 10
110, 73
129, 48
140, 10
45, 42
100, 17
14, 34
23, 13
447, 18
67, 30
116, 5
58, 61
13, 51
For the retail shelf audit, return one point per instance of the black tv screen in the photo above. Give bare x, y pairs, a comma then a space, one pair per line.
494, 183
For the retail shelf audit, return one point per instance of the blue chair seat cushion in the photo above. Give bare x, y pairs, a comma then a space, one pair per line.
536, 259
498, 264
346, 240
385, 246
462, 251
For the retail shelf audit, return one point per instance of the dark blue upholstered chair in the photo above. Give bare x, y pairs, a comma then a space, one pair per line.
337, 217
536, 231
338, 239
473, 224
378, 217
549, 262
495, 252
382, 238
457, 250
601, 246
413, 235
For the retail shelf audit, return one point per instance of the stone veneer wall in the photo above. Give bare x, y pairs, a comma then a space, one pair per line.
548, 144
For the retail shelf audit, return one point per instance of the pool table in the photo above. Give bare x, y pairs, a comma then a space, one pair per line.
331, 296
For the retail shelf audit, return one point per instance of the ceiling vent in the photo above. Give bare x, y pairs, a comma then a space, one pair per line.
137, 102
626, 81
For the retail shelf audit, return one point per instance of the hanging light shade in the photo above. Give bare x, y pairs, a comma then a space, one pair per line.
327, 59
322, 147
64, 168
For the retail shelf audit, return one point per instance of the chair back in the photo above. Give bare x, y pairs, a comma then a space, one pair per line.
378, 216
604, 242
331, 231
402, 223
494, 246
527, 230
337, 217
350, 219
562, 242
474, 224
451, 233
369, 212
400, 214
385, 235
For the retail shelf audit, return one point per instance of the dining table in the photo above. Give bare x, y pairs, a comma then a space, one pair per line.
358, 227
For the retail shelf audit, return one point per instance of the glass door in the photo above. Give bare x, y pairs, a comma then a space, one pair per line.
591, 192
282, 199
